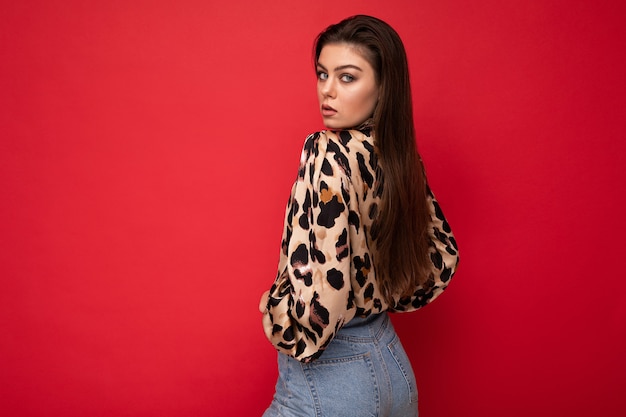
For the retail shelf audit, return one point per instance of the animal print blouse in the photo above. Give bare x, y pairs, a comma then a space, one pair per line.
325, 274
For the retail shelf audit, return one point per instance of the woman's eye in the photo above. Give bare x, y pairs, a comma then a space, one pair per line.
347, 78
322, 76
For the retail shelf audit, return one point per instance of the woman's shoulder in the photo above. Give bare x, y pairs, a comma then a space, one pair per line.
349, 152
345, 136
348, 141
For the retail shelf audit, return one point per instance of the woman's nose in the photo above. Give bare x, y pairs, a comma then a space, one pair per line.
328, 89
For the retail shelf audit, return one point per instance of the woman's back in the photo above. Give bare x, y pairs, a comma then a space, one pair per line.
326, 275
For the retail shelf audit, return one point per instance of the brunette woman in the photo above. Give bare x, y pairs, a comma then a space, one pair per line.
363, 236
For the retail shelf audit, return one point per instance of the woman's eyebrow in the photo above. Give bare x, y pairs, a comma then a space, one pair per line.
341, 67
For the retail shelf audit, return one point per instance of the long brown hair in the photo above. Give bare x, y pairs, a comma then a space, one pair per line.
399, 232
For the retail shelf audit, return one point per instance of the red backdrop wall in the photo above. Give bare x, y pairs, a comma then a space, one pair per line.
146, 153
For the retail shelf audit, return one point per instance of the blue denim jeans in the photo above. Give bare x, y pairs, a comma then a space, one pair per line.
363, 372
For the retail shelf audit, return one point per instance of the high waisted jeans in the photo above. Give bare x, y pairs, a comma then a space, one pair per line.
363, 372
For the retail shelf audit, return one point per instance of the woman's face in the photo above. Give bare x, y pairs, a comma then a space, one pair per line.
346, 86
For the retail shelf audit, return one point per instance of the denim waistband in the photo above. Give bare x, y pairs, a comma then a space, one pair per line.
370, 328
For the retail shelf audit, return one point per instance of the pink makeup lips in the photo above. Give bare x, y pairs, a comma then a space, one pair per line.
328, 111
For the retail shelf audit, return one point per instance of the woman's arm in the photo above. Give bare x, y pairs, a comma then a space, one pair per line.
444, 259
309, 300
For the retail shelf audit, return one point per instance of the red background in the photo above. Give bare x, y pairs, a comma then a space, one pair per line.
147, 150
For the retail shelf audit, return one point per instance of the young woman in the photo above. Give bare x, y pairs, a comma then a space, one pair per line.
363, 236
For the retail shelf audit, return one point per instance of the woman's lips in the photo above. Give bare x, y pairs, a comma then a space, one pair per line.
328, 111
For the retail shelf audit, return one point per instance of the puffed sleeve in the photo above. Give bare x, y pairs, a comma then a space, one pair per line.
309, 300
444, 259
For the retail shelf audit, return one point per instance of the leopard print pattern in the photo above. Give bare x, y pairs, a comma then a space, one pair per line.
325, 275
